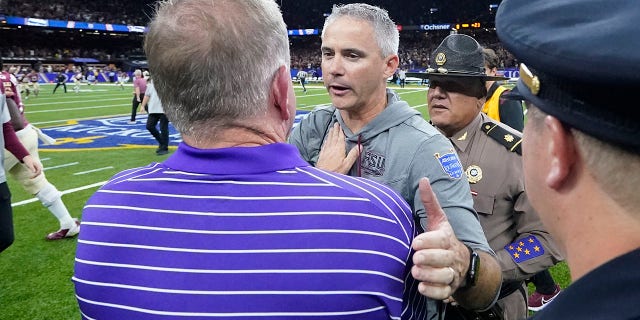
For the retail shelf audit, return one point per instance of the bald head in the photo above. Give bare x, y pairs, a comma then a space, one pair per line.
213, 60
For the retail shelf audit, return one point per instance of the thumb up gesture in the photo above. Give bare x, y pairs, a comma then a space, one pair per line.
440, 260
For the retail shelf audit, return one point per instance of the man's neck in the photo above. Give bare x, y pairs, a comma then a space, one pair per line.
355, 120
235, 136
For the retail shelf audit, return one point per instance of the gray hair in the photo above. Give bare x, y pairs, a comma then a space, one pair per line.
213, 61
384, 29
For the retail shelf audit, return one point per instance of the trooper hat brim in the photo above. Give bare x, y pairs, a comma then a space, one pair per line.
427, 75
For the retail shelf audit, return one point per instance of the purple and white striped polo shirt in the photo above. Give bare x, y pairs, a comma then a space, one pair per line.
242, 233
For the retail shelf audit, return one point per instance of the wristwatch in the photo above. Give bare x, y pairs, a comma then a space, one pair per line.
474, 268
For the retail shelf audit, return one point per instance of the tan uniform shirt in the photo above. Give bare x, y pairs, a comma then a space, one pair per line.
497, 185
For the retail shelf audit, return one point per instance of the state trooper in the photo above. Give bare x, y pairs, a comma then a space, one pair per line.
490, 154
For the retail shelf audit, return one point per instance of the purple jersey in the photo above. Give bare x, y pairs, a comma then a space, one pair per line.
242, 233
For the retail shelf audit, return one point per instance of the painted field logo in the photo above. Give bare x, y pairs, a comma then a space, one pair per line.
105, 133
110, 133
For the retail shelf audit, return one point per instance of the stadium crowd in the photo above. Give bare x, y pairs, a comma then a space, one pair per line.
414, 51
113, 11
311, 13
297, 14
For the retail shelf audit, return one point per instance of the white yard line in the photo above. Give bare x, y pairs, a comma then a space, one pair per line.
94, 170
311, 107
61, 166
412, 91
98, 184
63, 122
75, 101
84, 108
310, 95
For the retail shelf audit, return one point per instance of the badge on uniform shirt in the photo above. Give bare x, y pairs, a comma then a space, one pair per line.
450, 164
525, 249
474, 173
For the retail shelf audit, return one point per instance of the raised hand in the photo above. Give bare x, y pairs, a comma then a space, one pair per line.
439, 260
333, 156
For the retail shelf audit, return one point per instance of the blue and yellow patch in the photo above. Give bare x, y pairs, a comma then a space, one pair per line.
525, 249
450, 164
110, 133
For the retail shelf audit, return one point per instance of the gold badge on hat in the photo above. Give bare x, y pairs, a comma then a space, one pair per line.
529, 79
441, 58
474, 173
508, 138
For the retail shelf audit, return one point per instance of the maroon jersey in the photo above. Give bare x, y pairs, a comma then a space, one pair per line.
9, 87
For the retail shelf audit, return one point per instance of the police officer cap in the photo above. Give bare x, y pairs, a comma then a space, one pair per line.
580, 62
458, 55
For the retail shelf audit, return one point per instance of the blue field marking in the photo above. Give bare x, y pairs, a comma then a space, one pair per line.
109, 133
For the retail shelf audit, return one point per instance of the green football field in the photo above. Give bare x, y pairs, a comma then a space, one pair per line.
93, 142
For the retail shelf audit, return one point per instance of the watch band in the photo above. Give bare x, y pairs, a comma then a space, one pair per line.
474, 268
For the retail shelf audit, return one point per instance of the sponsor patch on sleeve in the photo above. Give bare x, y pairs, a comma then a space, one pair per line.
525, 249
450, 164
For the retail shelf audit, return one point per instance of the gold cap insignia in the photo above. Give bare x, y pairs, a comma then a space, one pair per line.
529, 79
441, 58
474, 173
508, 138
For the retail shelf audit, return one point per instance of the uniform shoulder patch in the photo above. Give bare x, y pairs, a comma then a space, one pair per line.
525, 249
506, 138
450, 163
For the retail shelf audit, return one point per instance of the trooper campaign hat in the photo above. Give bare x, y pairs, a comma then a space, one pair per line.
458, 55
580, 63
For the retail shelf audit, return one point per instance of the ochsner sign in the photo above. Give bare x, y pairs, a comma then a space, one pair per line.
429, 27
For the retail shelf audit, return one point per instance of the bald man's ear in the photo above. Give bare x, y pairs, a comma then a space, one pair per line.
562, 153
280, 89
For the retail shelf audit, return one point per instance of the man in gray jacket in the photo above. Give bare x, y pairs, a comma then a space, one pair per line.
391, 143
